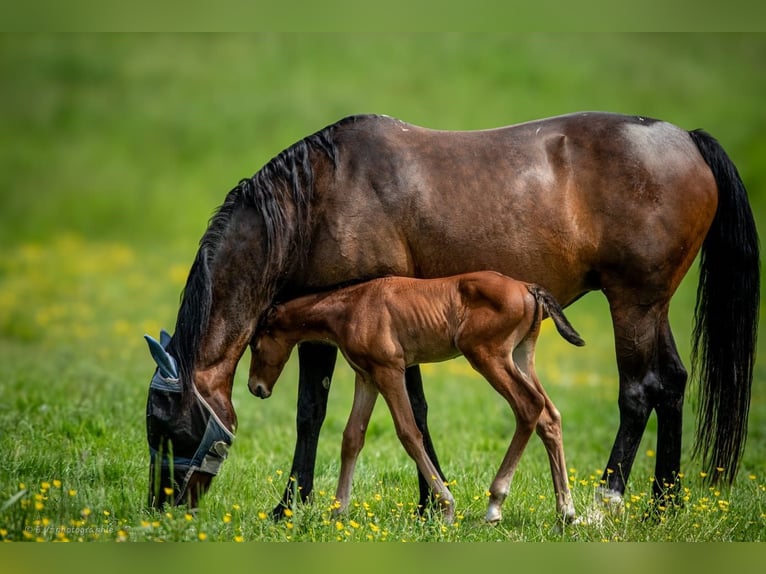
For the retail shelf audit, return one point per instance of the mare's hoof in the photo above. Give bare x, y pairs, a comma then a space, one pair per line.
493, 516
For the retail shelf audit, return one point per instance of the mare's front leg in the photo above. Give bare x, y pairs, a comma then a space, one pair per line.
417, 397
316, 363
365, 395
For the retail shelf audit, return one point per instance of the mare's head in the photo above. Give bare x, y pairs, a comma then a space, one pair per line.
269, 352
253, 244
187, 439
190, 419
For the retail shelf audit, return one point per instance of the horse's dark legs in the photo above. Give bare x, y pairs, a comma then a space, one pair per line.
669, 403
316, 363
651, 377
417, 397
636, 338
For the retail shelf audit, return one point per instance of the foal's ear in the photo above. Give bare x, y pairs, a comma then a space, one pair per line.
267, 319
165, 362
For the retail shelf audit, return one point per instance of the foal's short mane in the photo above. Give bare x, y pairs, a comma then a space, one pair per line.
287, 181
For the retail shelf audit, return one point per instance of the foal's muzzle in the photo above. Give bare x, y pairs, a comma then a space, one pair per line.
260, 390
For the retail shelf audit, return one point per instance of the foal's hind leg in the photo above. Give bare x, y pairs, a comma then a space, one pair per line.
549, 430
527, 405
365, 395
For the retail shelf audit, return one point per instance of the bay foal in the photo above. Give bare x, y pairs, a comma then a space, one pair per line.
385, 325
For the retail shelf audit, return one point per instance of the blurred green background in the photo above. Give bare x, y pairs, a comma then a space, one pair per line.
115, 149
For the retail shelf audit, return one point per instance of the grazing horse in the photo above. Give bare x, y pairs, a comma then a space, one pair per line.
576, 203
385, 325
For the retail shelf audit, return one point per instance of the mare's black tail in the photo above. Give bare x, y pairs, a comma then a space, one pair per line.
726, 318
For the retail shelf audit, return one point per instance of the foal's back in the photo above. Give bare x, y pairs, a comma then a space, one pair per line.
425, 320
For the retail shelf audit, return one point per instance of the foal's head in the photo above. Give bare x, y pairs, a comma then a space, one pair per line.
269, 352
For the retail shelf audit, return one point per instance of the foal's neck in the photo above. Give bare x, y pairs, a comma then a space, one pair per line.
311, 318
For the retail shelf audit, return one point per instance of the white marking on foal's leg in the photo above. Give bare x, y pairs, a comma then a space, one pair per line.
494, 513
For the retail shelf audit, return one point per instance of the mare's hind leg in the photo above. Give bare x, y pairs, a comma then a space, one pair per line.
317, 363
669, 404
420, 411
365, 395
651, 376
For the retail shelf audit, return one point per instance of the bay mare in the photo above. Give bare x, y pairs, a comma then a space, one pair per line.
576, 203
385, 325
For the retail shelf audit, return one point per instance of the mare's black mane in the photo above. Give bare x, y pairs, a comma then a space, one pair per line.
286, 182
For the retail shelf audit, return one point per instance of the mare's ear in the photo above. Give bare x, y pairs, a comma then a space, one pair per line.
165, 363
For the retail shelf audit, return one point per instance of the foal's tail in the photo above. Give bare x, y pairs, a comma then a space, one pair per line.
726, 318
554, 310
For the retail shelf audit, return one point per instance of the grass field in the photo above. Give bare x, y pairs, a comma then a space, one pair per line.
116, 149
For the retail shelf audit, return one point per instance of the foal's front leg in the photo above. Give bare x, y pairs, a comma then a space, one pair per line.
365, 395
390, 383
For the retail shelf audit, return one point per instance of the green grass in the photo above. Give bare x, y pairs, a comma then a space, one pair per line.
116, 149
